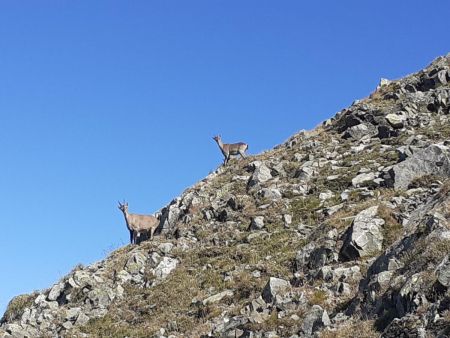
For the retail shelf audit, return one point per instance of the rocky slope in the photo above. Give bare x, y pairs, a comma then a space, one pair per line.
342, 231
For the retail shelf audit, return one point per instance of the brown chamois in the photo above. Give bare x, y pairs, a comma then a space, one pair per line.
229, 149
138, 224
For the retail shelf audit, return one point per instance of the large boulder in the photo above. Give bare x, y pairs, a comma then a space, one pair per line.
432, 160
396, 120
275, 286
365, 236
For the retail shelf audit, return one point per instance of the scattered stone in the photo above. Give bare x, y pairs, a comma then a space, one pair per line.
363, 179
326, 195
218, 297
165, 248
257, 223
287, 219
315, 319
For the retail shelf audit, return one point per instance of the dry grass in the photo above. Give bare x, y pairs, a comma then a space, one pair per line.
17, 305
318, 297
392, 229
200, 274
360, 329
304, 209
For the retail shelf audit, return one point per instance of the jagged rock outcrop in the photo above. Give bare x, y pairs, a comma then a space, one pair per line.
339, 231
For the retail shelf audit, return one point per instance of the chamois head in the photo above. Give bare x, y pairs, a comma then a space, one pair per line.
216, 138
123, 206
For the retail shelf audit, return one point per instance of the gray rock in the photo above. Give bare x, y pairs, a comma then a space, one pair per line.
315, 319
433, 160
441, 76
443, 272
346, 274
383, 82
365, 237
81, 278
170, 215
287, 219
305, 173
271, 193
260, 175
56, 291
326, 195
73, 313
165, 267
363, 179
67, 325
361, 130
82, 319
383, 278
274, 287
124, 276
396, 120
136, 263
165, 247
315, 258
18, 331
101, 296
218, 297
257, 223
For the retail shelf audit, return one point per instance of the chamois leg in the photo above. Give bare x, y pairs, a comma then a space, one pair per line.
131, 236
242, 154
151, 233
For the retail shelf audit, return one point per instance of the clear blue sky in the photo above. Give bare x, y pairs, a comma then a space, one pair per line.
106, 100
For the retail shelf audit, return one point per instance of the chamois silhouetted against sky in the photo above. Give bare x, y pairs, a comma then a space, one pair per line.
109, 100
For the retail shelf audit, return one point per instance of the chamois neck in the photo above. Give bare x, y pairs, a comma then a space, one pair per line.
126, 214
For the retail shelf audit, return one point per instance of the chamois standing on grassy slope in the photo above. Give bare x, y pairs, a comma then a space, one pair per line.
138, 224
229, 149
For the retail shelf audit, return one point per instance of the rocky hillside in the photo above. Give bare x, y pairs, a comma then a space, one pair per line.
341, 231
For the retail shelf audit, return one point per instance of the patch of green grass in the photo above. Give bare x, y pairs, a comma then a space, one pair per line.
426, 253
109, 326
304, 209
438, 132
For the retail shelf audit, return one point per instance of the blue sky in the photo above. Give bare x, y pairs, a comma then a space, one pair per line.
109, 100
